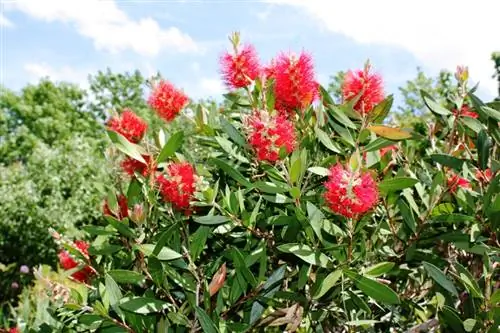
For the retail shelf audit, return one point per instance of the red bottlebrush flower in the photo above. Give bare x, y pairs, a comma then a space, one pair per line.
14, 330
454, 182
269, 134
385, 150
240, 69
131, 165
177, 186
350, 193
68, 262
465, 111
484, 176
167, 100
294, 83
122, 205
130, 125
369, 85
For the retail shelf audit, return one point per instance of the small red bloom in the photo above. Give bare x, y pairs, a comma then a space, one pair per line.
67, 262
177, 186
269, 134
350, 193
122, 205
294, 84
14, 330
484, 176
130, 125
369, 85
385, 150
240, 69
465, 111
131, 165
454, 182
167, 100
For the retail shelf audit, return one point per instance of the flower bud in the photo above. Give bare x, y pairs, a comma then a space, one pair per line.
24, 269
14, 285
462, 74
138, 214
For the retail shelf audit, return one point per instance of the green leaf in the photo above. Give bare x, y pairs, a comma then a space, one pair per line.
483, 149
468, 280
206, 322
316, 218
390, 133
376, 290
95, 231
143, 305
126, 146
381, 110
379, 269
269, 187
269, 288
306, 253
451, 319
113, 292
232, 172
172, 145
396, 184
242, 268
490, 112
377, 144
433, 106
469, 324
472, 123
296, 170
124, 276
407, 215
336, 113
211, 219
122, 228
362, 322
164, 254
437, 275
233, 133
448, 160
325, 140
198, 241
327, 283
320, 171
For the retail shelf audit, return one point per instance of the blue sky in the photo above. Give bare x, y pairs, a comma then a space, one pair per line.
66, 40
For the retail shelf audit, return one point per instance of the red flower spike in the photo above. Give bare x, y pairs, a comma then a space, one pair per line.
484, 176
269, 134
465, 111
14, 330
131, 165
122, 205
294, 84
177, 185
369, 85
348, 193
385, 150
167, 100
240, 69
454, 182
130, 125
67, 262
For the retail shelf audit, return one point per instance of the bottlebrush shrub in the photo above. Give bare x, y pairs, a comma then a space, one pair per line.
318, 217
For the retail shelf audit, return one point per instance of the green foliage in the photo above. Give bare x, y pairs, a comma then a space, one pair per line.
261, 250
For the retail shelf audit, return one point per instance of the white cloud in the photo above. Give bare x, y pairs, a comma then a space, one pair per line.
5, 22
109, 27
211, 87
441, 34
36, 71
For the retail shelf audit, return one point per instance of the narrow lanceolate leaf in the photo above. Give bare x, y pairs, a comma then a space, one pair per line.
381, 110
113, 292
206, 322
379, 269
217, 280
376, 290
407, 213
437, 275
390, 133
327, 283
306, 253
320, 171
211, 219
325, 140
124, 276
143, 305
433, 106
164, 254
448, 160
396, 184
483, 149
233, 133
169, 149
126, 146
469, 281
232, 172
377, 144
